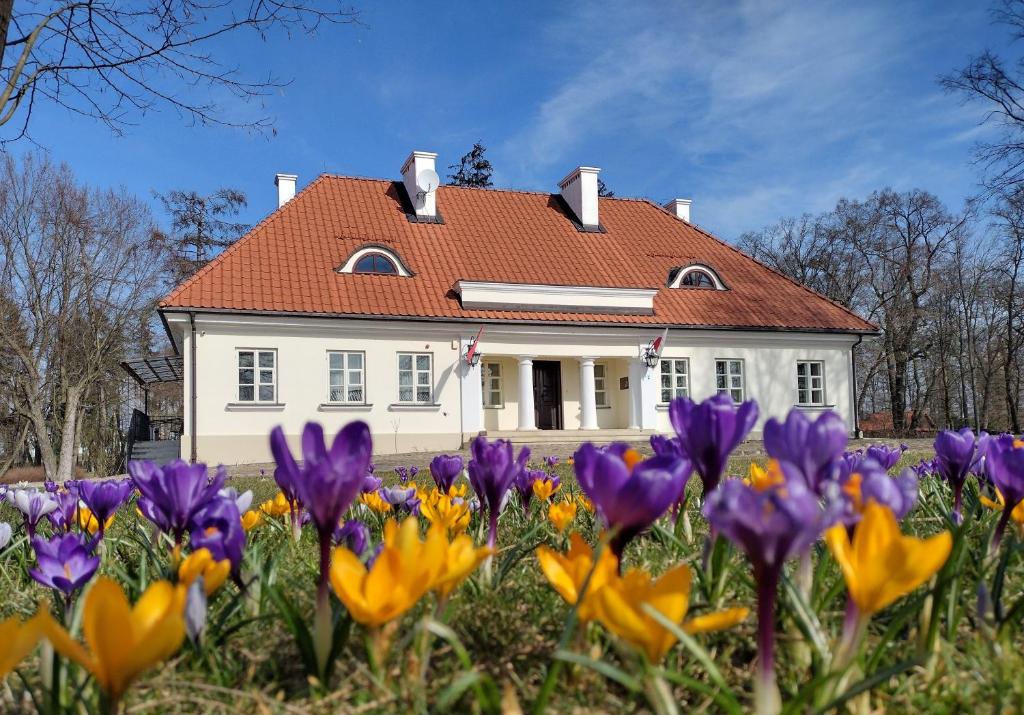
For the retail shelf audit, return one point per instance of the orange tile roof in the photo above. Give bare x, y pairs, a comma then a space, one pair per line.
288, 262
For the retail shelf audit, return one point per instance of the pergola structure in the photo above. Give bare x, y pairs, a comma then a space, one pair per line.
148, 370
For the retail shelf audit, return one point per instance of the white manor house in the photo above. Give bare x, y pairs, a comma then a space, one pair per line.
437, 313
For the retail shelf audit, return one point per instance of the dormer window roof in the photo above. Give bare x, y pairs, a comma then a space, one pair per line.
375, 259
695, 275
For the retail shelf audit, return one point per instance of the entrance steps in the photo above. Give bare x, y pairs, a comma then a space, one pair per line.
160, 451
570, 436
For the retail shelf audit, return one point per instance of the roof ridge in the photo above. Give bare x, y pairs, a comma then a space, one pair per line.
245, 238
779, 273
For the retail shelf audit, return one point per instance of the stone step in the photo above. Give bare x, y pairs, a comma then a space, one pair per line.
159, 451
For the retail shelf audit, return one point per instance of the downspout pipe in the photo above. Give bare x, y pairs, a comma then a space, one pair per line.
192, 387
853, 369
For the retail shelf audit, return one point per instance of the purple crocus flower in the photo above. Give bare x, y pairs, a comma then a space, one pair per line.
445, 469
815, 447
34, 505
771, 525
398, 496
666, 446
371, 484
63, 563
872, 483
65, 516
403, 474
524, 484
105, 498
629, 492
954, 454
1004, 466
327, 484
217, 526
551, 460
492, 471
709, 431
885, 455
5, 534
413, 471
354, 535
50, 485
172, 494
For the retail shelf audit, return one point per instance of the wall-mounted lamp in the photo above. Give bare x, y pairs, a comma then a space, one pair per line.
471, 355
650, 357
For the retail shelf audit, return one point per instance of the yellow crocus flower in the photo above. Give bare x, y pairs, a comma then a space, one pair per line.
1018, 511
566, 572
87, 521
19, 639
561, 514
278, 506
544, 488
251, 519
761, 478
443, 510
201, 563
585, 503
405, 569
460, 560
881, 564
376, 502
619, 602
458, 490
123, 642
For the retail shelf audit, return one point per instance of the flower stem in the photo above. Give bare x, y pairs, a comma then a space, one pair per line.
1004, 519
322, 630
767, 700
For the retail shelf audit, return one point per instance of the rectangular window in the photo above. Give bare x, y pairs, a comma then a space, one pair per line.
729, 378
810, 382
675, 379
257, 376
600, 385
345, 377
415, 378
490, 376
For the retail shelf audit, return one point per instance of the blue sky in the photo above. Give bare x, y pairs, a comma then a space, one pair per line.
755, 110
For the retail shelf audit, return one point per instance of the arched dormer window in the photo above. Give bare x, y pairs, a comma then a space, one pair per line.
376, 260
695, 275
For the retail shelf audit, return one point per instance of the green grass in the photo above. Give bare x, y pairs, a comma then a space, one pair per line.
511, 628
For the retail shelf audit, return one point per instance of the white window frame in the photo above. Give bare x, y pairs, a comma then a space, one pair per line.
601, 385
346, 373
674, 375
729, 375
491, 383
257, 371
416, 383
810, 389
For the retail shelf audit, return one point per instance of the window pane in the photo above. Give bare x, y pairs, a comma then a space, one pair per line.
736, 381
355, 394
735, 367
355, 361
423, 378
816, 368
721, 382
267, 359
600, 399
495, 369
335, 378
336, 360
245, 393
266, 393
720, 367
666, 395
666, 382
245, 377
599, 371
405, 394
495, 398
405, 362
423, 394
737, 395
681, 366
801, 369
422, 362
355, 377
266, 376
245, 359
335, 395
666, 367
405, 378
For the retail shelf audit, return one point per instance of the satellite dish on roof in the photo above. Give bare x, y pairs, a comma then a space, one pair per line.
427, 180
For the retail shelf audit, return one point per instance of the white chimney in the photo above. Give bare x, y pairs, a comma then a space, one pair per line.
285, 184
421, 180
681, 208
579, 189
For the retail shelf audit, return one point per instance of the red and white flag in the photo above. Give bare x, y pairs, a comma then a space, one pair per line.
658, 344
471, 350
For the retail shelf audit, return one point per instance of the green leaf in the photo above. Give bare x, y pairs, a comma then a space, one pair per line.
806, 620
295, 624
599, 666
724, 700
876, 678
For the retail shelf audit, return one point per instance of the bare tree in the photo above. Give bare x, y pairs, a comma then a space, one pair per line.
113, 60
76, 268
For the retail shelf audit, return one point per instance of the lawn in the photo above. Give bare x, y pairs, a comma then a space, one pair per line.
931, 651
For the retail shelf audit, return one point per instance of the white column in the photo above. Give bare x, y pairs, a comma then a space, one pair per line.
526, 417
588, 399
636, 376
472, 397
648, 394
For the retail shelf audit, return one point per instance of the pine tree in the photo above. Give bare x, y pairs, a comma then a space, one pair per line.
200, 227
473, 169
603, 190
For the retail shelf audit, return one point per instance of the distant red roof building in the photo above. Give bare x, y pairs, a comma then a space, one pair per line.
880, 423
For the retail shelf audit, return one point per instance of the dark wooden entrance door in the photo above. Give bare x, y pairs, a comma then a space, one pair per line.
547, 394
